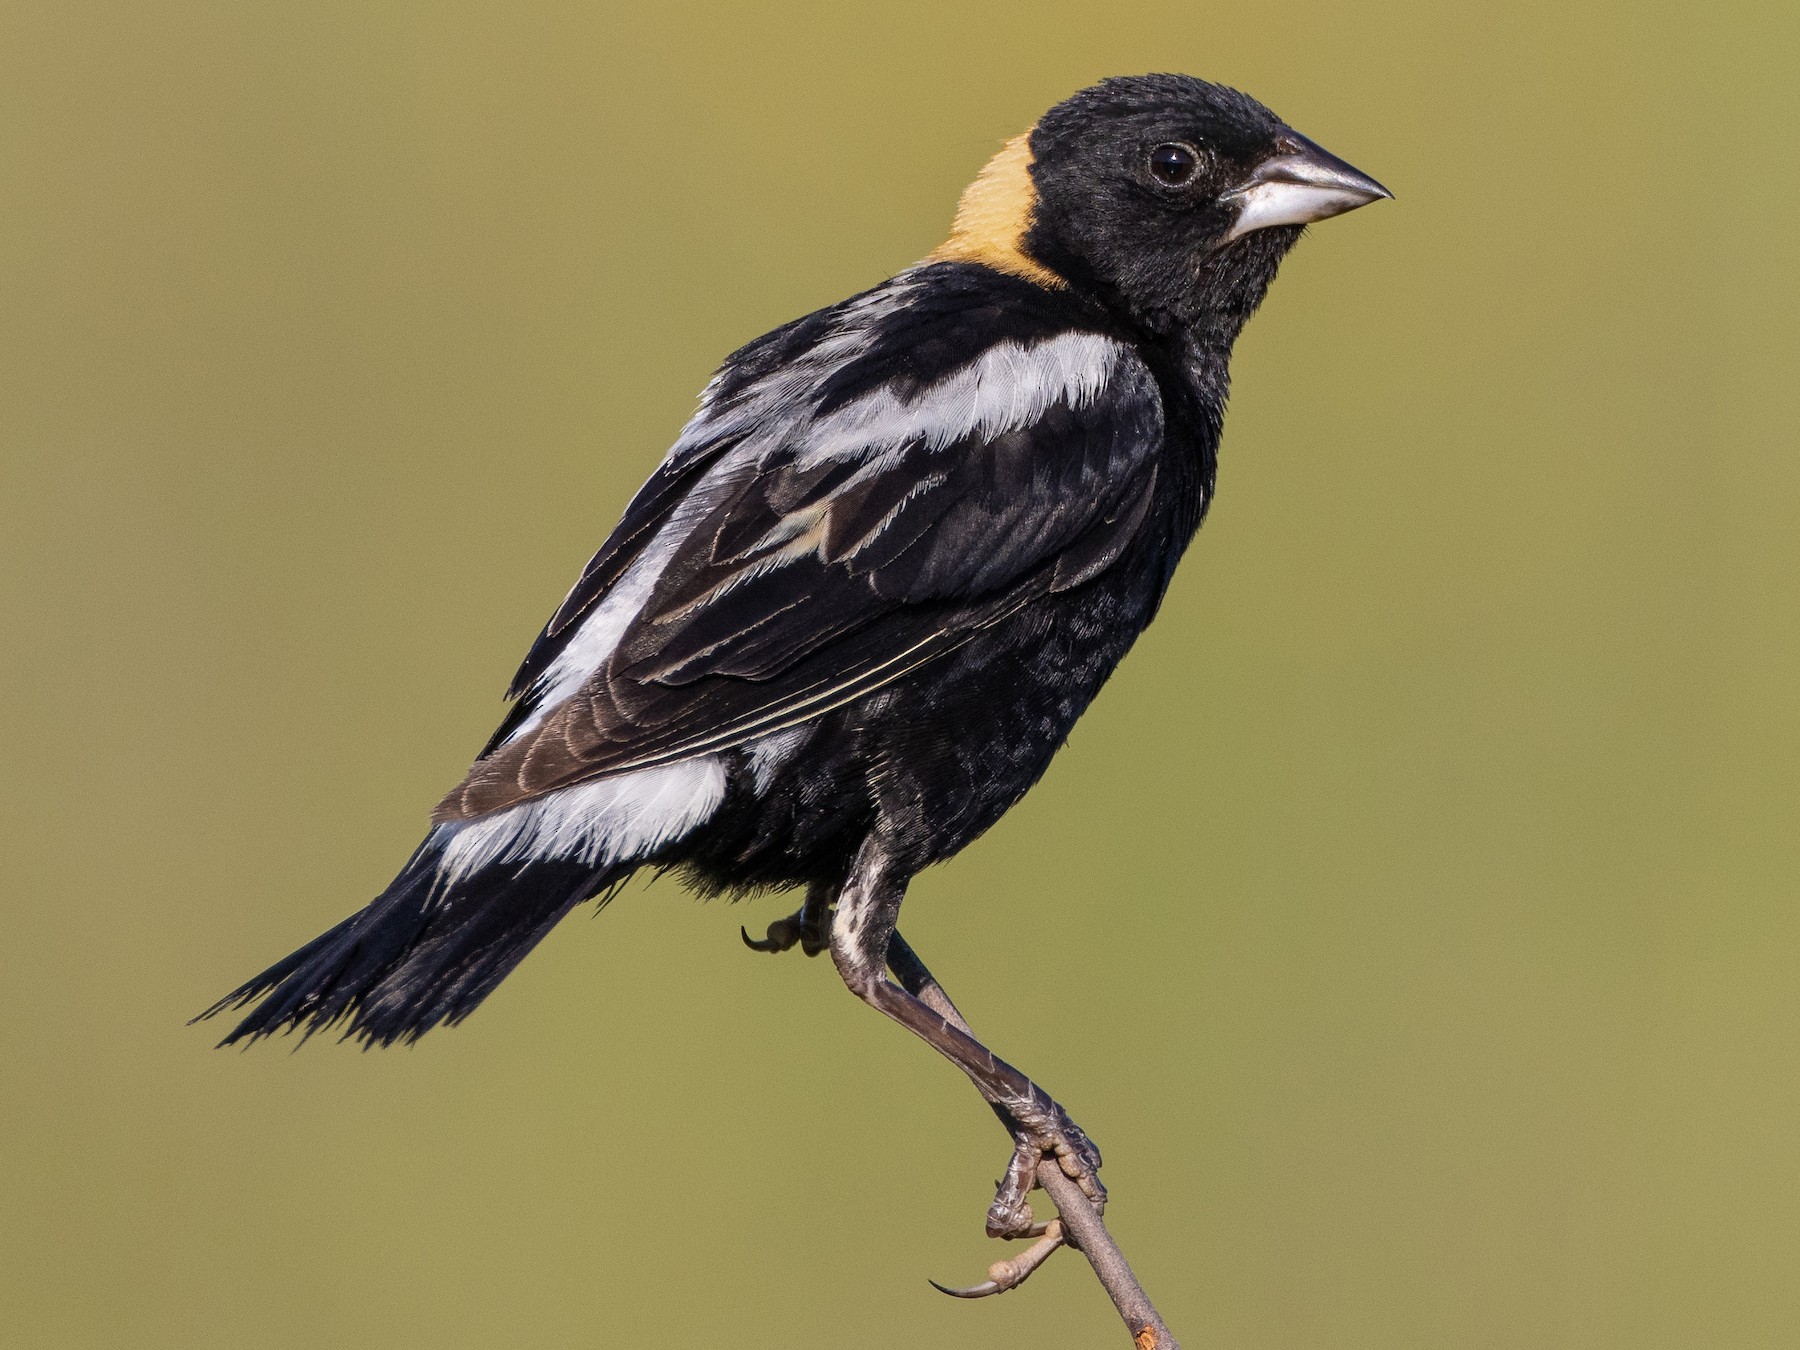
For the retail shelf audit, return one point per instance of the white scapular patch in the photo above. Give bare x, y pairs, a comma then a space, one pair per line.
771, 410
605, 821
1010, 385
1007, 387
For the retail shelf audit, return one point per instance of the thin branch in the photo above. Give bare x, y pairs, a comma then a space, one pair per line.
1086, 1231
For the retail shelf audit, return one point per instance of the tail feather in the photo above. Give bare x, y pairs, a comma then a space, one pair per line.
422, 953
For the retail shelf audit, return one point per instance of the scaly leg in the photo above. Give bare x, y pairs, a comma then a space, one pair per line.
918, 981
863, 945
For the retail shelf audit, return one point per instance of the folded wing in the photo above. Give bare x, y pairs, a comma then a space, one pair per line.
795, 554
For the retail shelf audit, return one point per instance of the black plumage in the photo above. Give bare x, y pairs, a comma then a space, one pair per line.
853, 615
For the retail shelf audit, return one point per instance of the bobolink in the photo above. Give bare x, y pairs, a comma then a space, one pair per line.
861, 603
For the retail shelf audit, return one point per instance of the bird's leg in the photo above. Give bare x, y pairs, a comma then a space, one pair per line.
863, 944
809, 926
1015, 1189
1011, 1206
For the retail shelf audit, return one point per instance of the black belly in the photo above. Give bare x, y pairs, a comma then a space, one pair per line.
931, 761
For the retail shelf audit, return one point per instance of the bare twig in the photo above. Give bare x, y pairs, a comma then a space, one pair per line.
1086, 1231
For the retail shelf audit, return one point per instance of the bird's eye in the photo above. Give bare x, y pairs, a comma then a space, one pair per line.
1174, 165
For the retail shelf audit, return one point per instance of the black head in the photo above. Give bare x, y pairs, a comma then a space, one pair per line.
1174, 200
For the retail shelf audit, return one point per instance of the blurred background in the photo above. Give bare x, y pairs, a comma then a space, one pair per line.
1412, 920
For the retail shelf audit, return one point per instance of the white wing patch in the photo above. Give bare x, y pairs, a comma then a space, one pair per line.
599, 632
606, 821
1009, 386
772, 409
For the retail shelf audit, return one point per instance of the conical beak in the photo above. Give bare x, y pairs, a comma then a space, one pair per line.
1300, 183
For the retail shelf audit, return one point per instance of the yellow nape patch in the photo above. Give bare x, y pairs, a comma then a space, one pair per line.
993, 215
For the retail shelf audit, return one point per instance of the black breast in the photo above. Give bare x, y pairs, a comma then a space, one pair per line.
938, 757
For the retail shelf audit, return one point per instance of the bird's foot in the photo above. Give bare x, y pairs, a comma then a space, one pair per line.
1042, 1132
1012, 1273
808, 928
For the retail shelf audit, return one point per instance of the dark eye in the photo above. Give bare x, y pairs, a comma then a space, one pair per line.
1173, 165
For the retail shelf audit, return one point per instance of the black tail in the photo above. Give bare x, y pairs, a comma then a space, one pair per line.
422, 953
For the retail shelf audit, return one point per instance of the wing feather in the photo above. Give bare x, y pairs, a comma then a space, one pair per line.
804, 581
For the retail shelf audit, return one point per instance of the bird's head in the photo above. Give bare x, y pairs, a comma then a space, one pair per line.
1169, 198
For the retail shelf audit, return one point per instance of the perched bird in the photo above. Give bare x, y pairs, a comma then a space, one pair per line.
850, 618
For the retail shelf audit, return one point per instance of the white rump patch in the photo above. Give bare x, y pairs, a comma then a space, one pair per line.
606, 821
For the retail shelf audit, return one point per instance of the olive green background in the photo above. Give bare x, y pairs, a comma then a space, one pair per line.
1412, 920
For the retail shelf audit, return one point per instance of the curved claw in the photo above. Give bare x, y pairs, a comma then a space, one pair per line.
1005, 1275
981, 1290
805, 930
783, 933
